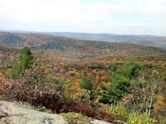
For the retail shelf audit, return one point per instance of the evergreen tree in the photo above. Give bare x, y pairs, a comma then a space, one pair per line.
24, 62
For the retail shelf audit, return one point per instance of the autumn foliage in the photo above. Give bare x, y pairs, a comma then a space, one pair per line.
107, 90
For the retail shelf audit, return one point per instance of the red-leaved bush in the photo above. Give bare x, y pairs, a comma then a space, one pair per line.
49, 98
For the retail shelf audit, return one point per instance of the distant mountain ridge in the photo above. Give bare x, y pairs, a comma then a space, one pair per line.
146, 40
74, 48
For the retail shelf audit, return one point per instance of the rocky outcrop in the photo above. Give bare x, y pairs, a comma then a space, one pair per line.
16, 113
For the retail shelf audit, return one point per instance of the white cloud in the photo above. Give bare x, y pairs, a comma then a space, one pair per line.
75, 15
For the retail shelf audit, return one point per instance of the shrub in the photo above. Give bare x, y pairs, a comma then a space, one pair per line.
84, 109
118, 109
106, 97
61, 86
136, 118
86, 83
76, 118
77, 96
58, 83
35, 77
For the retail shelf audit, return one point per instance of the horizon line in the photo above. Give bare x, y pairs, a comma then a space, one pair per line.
77, 32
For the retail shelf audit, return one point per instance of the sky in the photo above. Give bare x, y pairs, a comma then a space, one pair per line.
147, 17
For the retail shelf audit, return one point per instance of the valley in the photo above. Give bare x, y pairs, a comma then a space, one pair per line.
84, 80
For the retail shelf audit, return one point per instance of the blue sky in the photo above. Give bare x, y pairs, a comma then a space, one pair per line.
95, 16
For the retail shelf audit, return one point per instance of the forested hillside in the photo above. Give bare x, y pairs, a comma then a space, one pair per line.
73, 48
146, 40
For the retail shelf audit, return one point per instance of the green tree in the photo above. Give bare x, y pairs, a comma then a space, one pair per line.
131, 70
24, 62
121, 81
